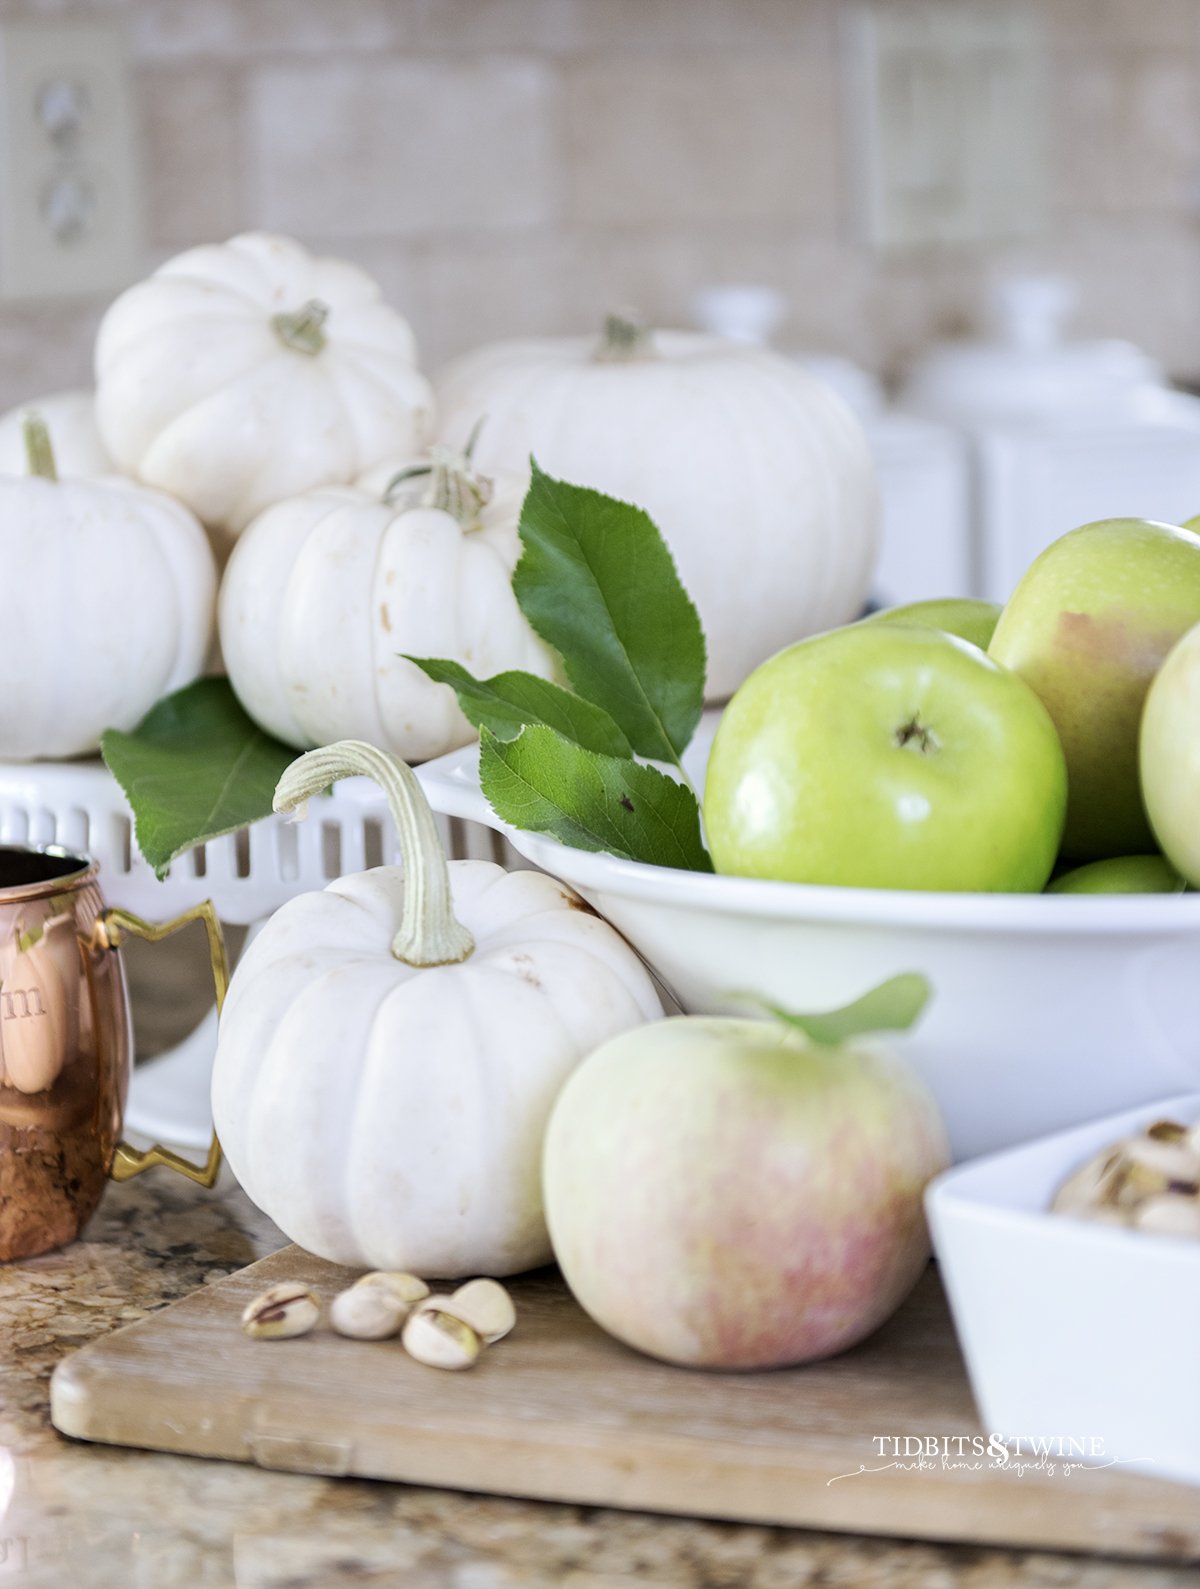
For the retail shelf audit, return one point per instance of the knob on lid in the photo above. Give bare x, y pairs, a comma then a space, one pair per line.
1027, 370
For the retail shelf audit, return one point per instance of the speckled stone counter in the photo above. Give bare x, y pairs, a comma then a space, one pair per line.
90, 1517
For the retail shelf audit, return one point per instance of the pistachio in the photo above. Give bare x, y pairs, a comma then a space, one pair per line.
367, 1313
407, 1289
439, 1339
1169, 1214
1090, 1186
1155, 1163
1150, 1181
286, 1310
1167, 1131
486, 1306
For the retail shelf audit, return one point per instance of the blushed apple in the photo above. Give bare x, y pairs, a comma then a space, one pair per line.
1087, 627
886, 756
1169, 756
726, 1194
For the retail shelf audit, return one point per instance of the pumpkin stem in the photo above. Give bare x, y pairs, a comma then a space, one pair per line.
623, 340
430, 934
303, 329
39, 454
453, 487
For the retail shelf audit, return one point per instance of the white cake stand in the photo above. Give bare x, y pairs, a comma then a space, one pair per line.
247, 875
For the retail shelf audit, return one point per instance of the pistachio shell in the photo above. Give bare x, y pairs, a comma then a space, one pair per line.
1170, 1214
286, 1310
367, 1313
486, 1306
439, 1340
407, 1289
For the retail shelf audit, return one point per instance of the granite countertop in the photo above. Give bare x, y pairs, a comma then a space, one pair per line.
103, 1518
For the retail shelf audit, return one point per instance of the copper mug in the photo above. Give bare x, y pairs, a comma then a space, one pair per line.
66, 1046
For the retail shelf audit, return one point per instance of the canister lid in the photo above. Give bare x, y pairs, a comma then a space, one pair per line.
1027, 371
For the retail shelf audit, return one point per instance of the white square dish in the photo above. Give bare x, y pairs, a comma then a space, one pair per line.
1070, 1329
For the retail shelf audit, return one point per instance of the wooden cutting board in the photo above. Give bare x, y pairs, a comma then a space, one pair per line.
559, 1411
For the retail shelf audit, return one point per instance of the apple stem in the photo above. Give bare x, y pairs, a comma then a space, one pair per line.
915, 736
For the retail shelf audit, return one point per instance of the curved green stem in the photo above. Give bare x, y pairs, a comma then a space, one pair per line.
303, 329
623, 340
430, 934
39, 454
454, 487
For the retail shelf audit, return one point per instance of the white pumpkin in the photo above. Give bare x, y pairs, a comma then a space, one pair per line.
758, 476
390, 1048
70, 417
246, 372
111, 595
325, 592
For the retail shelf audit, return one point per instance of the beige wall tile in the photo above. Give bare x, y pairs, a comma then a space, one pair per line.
1127, 131
1141, 23
674, 25
188, 29
491, 290
401, 147
191, 153
1136, 281
511, 167
697, 139
45, 348
547, 25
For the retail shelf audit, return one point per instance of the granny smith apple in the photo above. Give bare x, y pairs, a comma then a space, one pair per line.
959, 615
1121, 874
886, 756
1088, 626
1170, 756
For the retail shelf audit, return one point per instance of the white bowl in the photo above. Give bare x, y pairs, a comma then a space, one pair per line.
1048, 1009
1070, 1329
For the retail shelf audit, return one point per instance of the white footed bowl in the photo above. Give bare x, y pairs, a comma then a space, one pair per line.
1048, 1009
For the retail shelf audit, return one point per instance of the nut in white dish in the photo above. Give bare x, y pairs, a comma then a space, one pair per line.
1147, 1182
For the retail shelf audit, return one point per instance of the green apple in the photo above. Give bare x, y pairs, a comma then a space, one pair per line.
960, 615
1088, 627
1170, 756
886, 756
1121, 874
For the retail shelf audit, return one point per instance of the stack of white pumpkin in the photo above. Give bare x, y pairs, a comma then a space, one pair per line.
273, 398
261, 409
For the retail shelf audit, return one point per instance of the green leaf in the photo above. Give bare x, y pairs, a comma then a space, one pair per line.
893, 1006
510, 701
545, 784
597, 583
195, 768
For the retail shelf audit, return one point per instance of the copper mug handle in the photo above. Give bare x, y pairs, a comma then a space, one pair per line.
112, 927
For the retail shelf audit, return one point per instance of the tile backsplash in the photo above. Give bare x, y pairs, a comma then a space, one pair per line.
516, 166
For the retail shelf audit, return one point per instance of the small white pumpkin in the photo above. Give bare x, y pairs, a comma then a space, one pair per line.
325, 592
110, 606
758, 476
390, 1048
70, 417
246, 372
